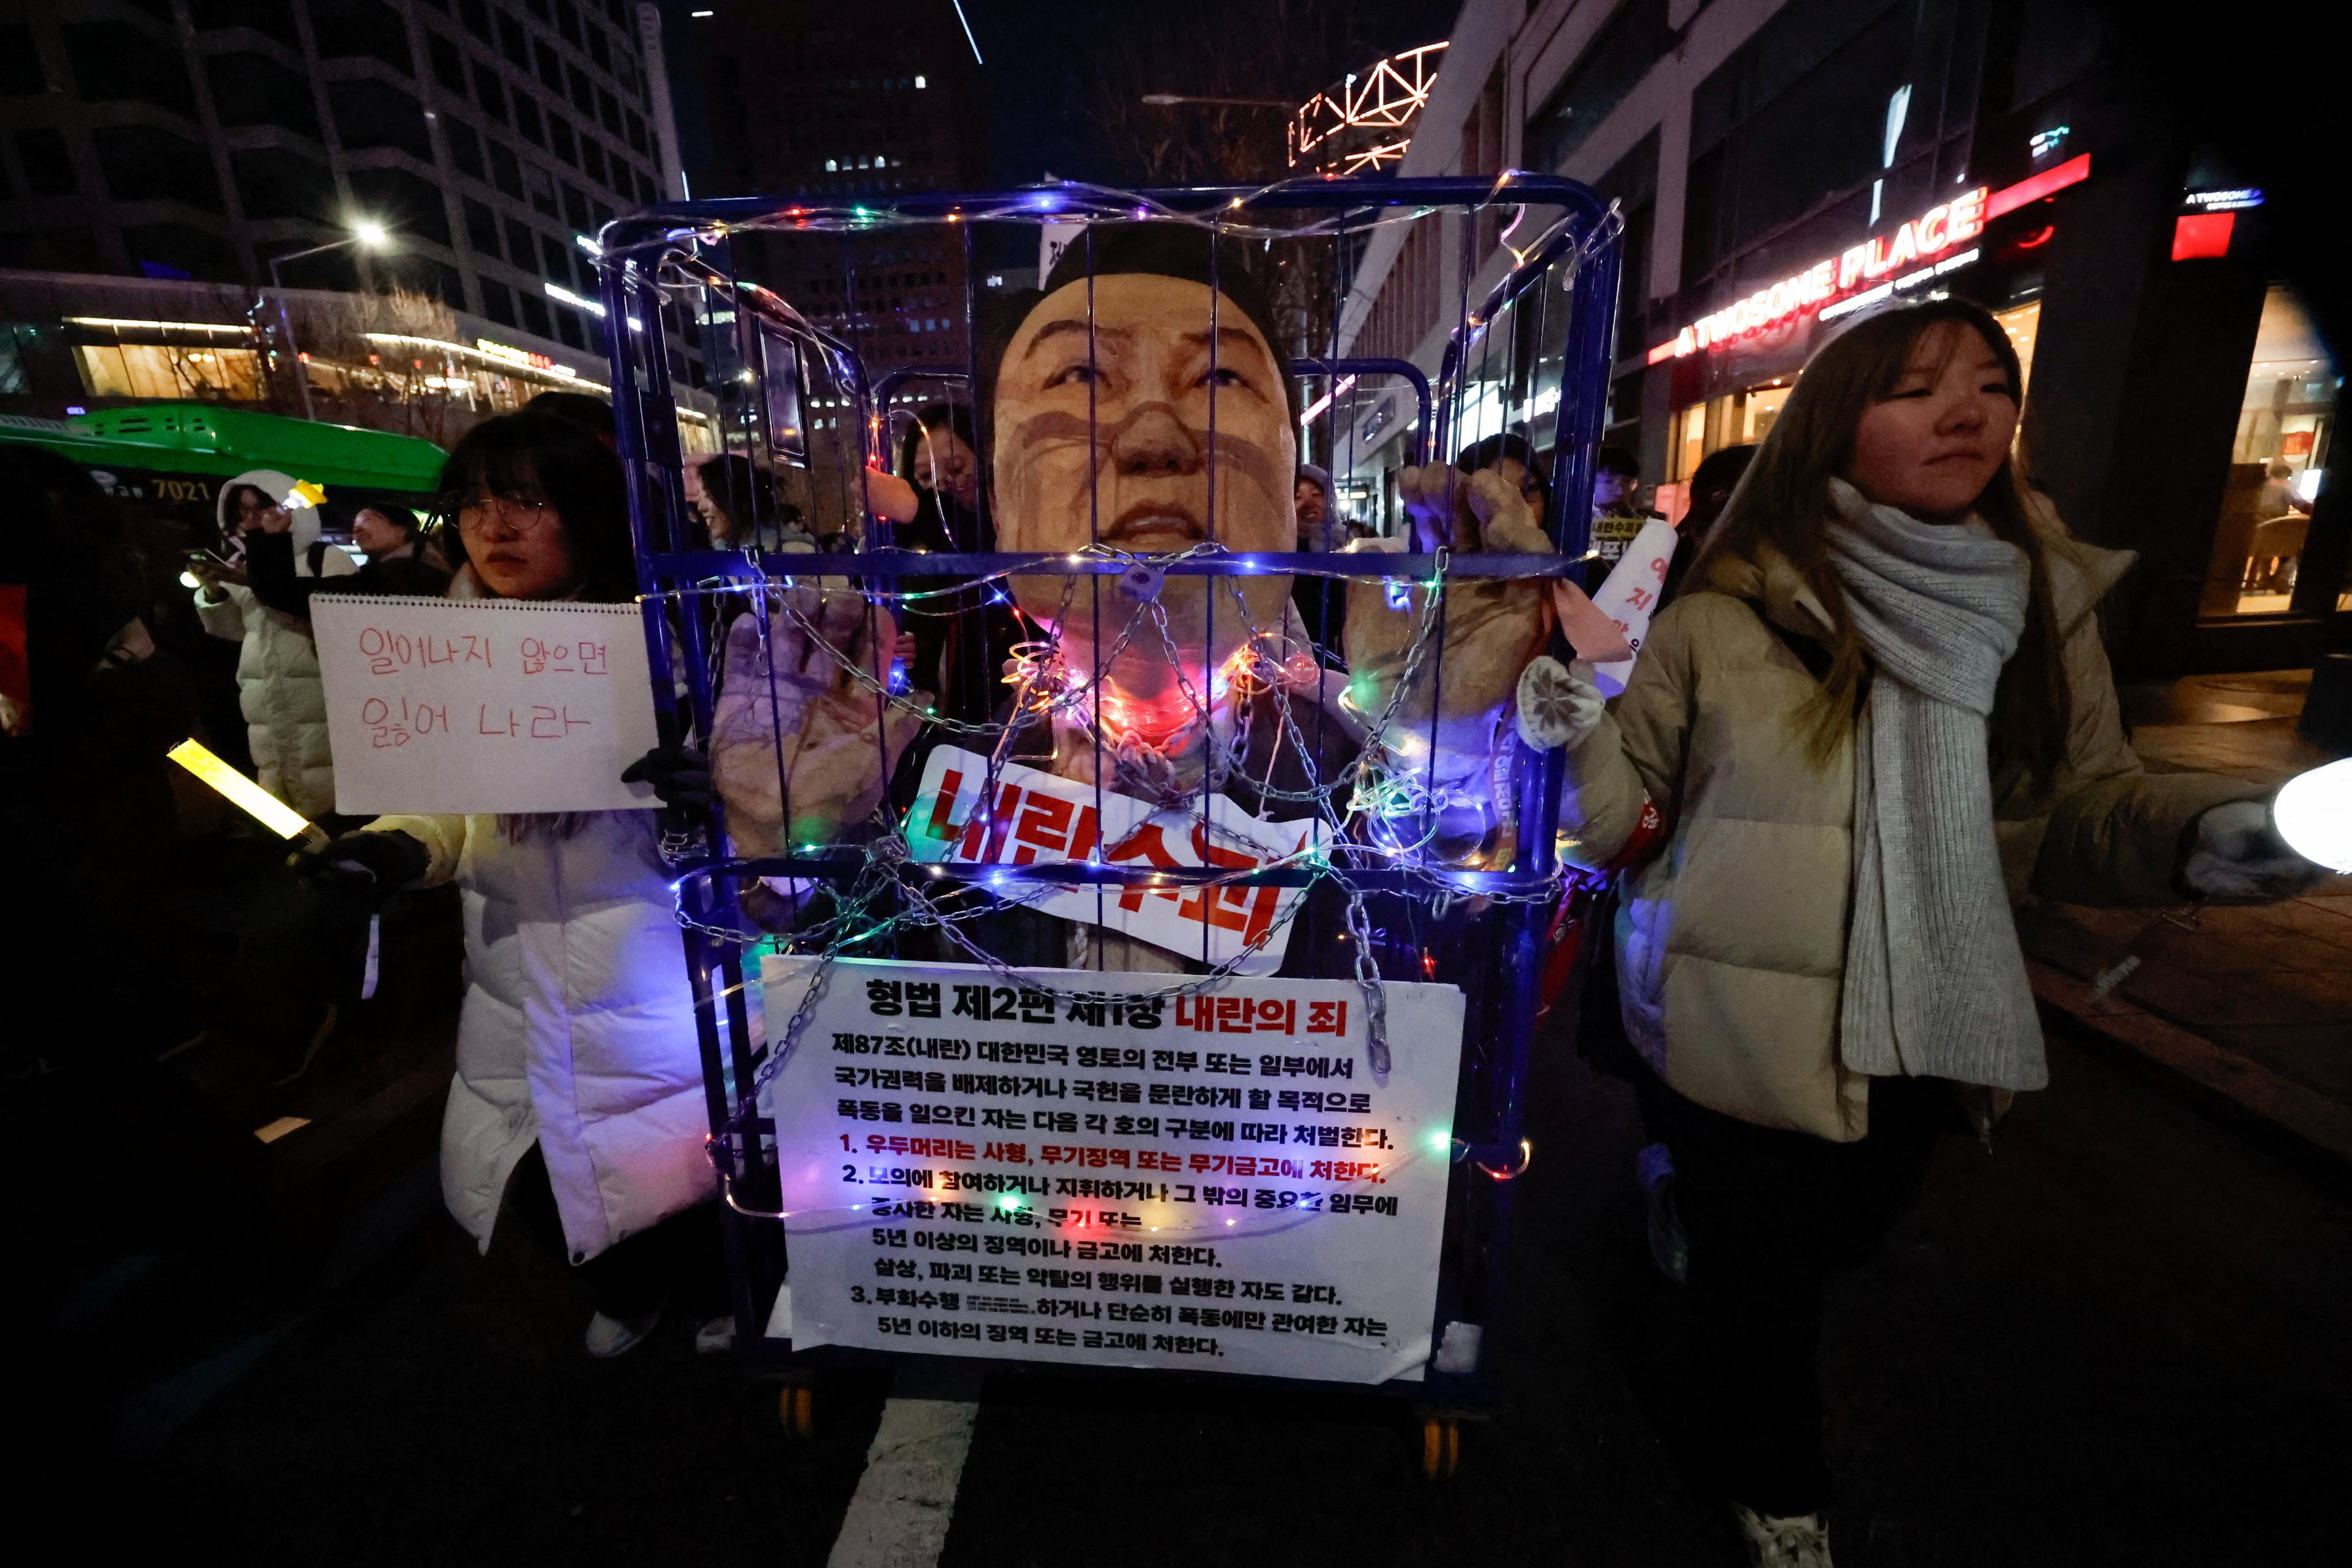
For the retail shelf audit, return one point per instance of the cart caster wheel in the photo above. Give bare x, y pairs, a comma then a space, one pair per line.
796, 1407
1441, 1447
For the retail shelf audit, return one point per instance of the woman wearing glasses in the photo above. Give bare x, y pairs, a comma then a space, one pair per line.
577, 1103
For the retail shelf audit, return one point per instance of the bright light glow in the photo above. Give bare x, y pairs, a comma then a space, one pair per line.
1441, 1142
588, 245
920, 83
967, 32
562, 296
189, 580
502, 356
245, 795
371, 234
1930, 235
156, 326
1381, 104
2314, 814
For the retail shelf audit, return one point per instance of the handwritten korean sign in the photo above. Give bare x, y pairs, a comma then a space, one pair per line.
1629, 597
474, 705
1114, 1177
1036, 817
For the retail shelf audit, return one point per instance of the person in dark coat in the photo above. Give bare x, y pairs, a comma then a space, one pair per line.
1711, 485
389, 535
1322, 604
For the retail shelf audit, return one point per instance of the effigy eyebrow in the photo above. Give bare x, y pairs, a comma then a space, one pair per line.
1228, 337
1074, 324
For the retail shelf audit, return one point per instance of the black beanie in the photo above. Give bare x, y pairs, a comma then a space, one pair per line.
1160, 249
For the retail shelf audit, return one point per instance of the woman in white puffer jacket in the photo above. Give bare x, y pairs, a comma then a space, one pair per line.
277, 683
578, 1099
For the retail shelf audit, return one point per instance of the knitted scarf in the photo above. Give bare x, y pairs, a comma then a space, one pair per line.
1935, 983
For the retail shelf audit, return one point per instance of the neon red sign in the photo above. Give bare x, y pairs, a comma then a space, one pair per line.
1924, 238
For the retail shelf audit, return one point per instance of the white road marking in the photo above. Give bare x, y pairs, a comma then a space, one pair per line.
900, 1516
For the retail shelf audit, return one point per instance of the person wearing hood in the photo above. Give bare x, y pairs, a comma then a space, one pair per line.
278, 687
1878, 715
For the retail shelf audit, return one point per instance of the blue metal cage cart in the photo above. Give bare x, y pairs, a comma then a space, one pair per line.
1519, 277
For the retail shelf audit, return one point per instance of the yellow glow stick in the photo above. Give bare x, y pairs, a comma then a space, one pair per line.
250, 798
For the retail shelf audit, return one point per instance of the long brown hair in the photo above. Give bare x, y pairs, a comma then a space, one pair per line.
1783, 504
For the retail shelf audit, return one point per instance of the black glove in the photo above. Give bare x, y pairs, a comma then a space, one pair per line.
373, 865
679, 774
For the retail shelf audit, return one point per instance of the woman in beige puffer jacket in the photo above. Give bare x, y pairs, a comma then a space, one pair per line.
1879, 713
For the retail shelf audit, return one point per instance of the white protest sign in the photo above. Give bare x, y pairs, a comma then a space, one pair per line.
1629, 597
1213, 1182
1037, 817
483, 705
1053, 239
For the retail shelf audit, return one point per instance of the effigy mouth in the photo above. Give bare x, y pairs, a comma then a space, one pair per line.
1155, 524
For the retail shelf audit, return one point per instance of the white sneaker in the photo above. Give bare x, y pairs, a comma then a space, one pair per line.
715, 1337
609, 1337
1800, 1540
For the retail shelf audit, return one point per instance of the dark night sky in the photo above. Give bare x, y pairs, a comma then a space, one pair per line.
1041, 69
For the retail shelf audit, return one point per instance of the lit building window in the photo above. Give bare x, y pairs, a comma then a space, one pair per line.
2284, 424
156, 369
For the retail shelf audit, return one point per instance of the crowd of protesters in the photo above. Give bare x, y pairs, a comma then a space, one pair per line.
1878, 690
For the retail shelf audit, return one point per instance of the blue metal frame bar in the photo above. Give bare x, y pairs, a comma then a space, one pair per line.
674, 222
643, 251
695, 565
1405, 368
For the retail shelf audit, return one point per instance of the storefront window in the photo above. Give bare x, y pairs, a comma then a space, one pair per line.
1740, 418
155, 370
2022, 323
2274, 465
1756, 410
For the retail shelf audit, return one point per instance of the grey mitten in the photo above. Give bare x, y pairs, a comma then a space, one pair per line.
1559, 704
2238, 855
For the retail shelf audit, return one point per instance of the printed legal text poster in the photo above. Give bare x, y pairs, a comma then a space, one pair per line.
481, 705
1118, 1177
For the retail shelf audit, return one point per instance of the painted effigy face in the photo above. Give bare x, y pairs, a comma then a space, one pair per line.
1104, 434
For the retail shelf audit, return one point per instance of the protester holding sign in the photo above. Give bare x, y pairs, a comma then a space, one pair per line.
579, 1083
1879, 710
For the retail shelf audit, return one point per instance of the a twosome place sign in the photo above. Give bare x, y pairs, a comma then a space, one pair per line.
1894, 259
1926, 237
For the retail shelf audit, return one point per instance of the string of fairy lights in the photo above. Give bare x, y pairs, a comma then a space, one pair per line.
1382, 809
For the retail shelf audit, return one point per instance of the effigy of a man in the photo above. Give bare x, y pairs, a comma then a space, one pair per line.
1139, 407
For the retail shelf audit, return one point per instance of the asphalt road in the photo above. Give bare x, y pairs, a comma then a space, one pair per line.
2117, 1338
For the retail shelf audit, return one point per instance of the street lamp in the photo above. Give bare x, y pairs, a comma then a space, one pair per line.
1168, 99
368, 235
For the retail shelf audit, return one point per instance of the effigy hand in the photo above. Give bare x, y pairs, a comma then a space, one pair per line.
1469, 512
1445, 699
801, 747
1445, 678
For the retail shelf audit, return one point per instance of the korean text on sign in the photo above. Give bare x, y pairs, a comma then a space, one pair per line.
1087, 1169
442, 705
1032, 817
